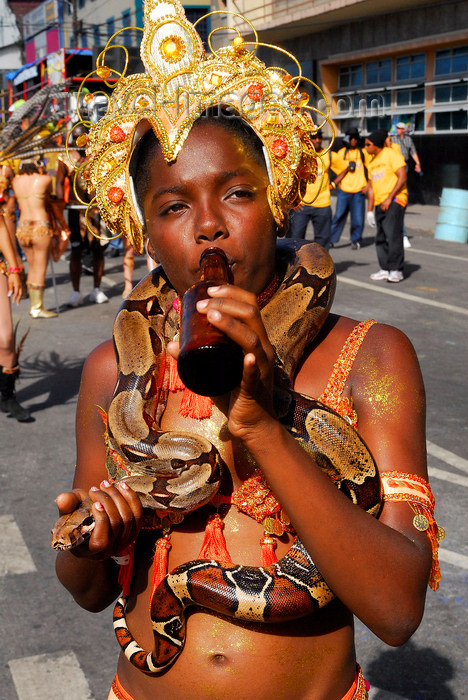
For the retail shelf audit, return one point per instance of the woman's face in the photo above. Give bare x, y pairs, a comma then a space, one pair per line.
214, 193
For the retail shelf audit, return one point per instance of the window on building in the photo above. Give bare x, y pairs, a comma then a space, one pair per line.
96, 35
451, 121
379, 100
81, 3
126, 22
405, 98
411, 67
110, 25
350, 76
378, 72
451, 93
374, 123
449, 61
204, 27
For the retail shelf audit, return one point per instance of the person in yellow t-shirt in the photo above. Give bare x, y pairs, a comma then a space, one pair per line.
318, 194
395, 146
350, 165
389, 195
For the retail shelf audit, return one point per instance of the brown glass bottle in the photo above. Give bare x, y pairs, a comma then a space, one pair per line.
209, 362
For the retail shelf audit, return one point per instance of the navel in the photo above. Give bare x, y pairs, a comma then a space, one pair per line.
219, 659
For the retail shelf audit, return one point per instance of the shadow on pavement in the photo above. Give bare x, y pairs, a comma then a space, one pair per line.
57, 378
425, 677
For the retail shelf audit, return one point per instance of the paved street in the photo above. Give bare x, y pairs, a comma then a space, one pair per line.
53, 650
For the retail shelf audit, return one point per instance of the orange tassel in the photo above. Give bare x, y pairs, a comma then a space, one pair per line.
175, 382
195, 406
268, 545
161, 555
432, 532
214, 544
126, 570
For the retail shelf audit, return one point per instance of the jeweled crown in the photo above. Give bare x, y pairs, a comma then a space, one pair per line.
180, 83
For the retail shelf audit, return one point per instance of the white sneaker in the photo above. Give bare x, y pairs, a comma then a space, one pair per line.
75, 299
97, 296
380, 275
406, 242
395, 276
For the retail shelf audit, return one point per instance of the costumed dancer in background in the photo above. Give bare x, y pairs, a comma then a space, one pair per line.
70, 189
10, 288
34, 232
201, 178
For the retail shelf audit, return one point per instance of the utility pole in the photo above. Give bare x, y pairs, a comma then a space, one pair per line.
76, 32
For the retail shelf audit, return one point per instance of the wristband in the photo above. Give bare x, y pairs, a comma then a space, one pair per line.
14, 270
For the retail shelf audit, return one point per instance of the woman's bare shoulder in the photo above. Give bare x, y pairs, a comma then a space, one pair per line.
384, 348
388, 345
100, 372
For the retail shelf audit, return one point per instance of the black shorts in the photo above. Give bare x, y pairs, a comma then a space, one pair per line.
77, 241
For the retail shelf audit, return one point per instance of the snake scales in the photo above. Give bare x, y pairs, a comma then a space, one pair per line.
177, 472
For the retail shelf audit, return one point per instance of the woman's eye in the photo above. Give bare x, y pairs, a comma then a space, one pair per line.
173, 208
242, 193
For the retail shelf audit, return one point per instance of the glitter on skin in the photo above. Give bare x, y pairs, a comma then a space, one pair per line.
381, 390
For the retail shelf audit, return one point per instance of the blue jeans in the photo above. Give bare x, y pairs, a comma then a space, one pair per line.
355, 203
321, 218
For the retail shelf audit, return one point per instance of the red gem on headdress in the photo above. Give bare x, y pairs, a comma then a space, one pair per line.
117, 134
115, 194
279, 148
255, 91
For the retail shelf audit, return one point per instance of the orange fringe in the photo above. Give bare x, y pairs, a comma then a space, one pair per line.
161, 555
268, 545
195, 406
214, 544
126, 570
175, 382
192, 405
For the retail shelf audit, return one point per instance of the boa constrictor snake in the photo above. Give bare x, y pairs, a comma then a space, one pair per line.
178, 472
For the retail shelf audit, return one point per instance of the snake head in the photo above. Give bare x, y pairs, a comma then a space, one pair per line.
72, 529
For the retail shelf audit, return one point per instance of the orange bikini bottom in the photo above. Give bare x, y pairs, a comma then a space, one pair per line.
358, 690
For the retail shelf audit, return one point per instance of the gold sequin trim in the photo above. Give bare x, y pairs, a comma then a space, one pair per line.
331, 396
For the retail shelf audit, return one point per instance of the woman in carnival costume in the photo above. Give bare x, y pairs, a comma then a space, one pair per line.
32, 190
172, 161
10, 288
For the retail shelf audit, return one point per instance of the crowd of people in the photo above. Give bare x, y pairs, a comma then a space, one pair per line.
368, 171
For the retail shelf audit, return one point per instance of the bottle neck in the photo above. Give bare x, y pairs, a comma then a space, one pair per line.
214, 267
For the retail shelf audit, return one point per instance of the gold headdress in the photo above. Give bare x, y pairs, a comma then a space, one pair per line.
179, 85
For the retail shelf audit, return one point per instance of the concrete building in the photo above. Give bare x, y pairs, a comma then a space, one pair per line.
10, 39
380, 63
62, 39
